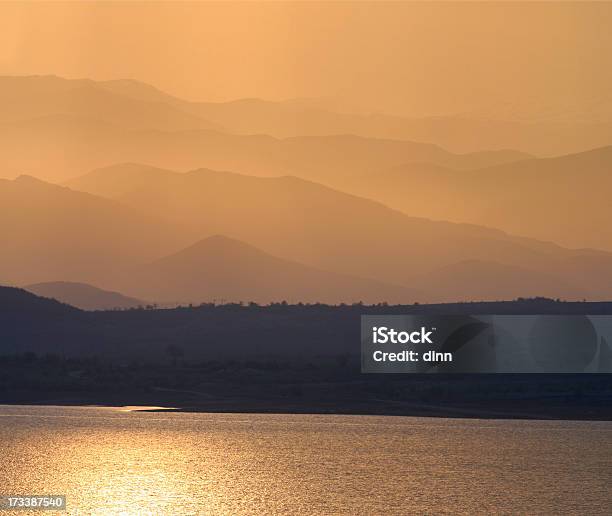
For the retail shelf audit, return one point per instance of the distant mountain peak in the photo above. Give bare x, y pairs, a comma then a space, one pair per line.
221, 239
217, 244
222, 267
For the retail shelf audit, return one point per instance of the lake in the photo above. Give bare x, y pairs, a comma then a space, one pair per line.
113, 460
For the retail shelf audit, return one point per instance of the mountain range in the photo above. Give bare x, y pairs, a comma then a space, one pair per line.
274, 206
136, 105
54, 233
329, 229
550, 132
288, 218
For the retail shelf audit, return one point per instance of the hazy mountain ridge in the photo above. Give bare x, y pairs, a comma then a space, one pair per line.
564, 199
138, 113
53, 233
25, 98
549, 134
116, 180
67, 145
78, 125
61, 234
83, 296
327, 229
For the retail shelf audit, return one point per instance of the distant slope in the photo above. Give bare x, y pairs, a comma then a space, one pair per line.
116, 180
224, 269
32, 97
459, 133
564, 199
306, 222
68, 144
50, 232
77, 125
130, 104
83, 296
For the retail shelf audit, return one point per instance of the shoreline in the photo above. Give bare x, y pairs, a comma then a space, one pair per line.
535, 409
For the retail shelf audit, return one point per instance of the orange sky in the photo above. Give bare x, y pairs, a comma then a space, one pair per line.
412, 58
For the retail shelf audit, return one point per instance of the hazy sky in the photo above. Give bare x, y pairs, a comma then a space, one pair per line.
414, 58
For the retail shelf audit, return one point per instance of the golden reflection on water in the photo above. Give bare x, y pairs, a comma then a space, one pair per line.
143, 408
108, 461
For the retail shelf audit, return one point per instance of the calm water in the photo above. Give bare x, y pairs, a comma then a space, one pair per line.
109, 461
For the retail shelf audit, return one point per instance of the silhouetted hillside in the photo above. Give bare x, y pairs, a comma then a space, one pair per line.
16, 303
208, 332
